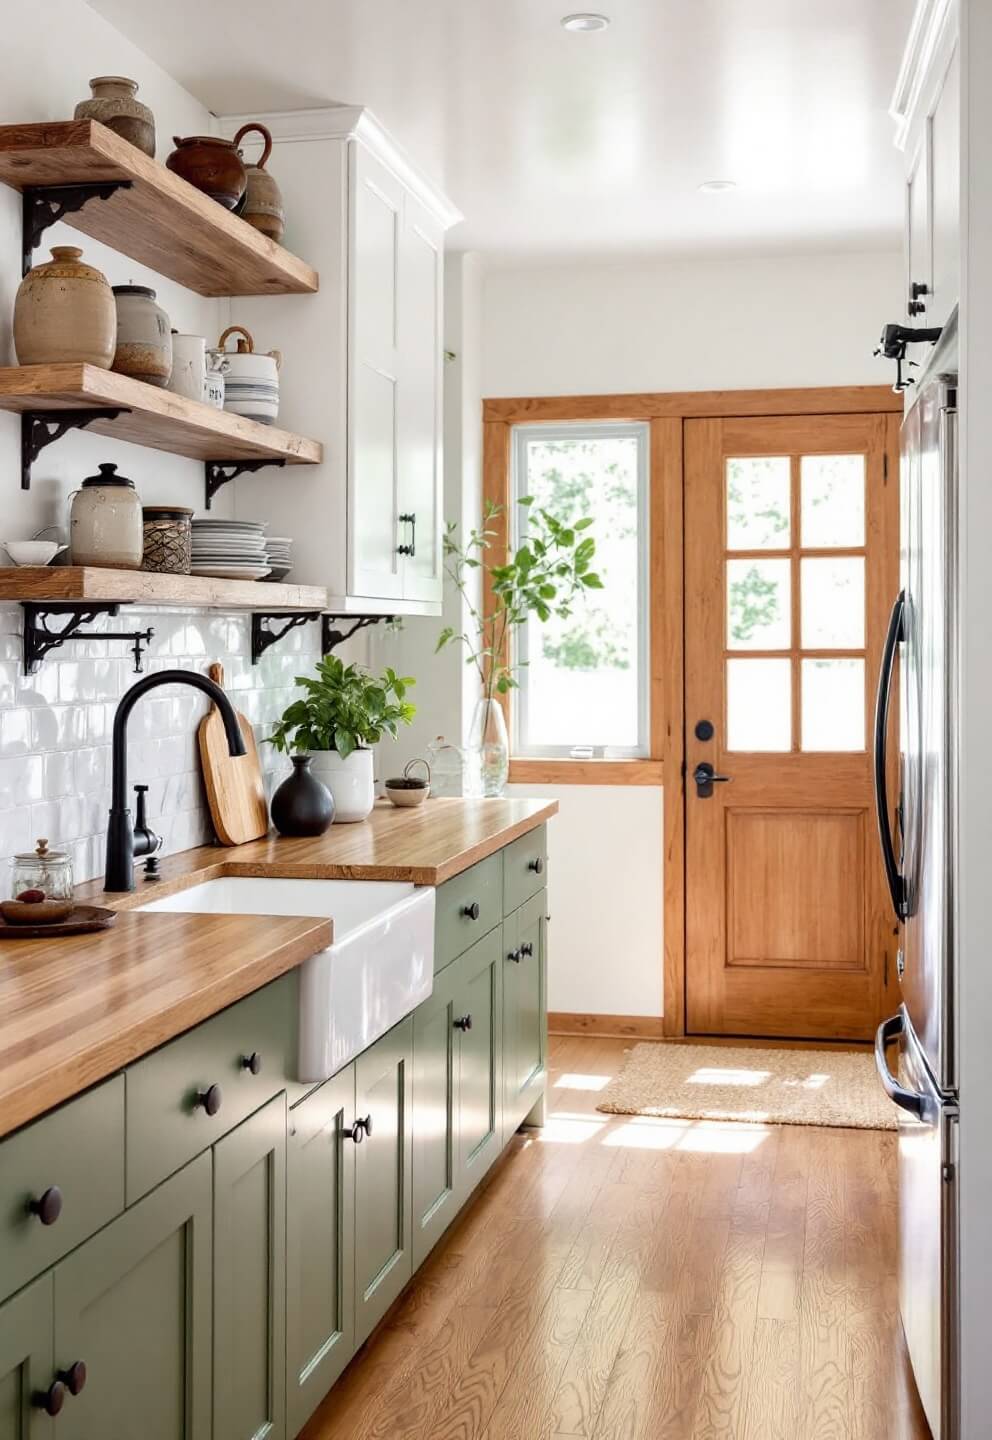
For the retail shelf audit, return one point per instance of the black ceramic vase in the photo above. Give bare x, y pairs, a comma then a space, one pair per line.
302, 805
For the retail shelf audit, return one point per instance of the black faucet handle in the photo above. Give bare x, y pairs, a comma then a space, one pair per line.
140, 821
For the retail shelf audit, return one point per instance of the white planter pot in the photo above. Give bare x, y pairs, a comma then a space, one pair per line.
350, 781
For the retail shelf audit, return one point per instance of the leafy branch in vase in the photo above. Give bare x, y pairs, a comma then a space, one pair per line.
542, 577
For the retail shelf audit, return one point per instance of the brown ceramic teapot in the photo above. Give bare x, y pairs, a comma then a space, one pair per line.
263, 204
212, 165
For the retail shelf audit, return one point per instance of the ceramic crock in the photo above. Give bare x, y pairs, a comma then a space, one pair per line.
105, 522
113, 103
144, 337
189, 366
212, 165
263, 206
351, 781
65, 313
251, 385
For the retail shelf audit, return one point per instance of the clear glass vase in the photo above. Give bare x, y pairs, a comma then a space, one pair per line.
488, 738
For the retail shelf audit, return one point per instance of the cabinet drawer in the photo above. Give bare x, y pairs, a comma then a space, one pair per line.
525, 868
467, 908
167, 1119
77, 1154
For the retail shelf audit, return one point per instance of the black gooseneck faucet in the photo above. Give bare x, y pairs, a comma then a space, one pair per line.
120, 834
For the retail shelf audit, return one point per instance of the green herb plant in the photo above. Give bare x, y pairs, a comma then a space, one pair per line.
542, 577
344, 708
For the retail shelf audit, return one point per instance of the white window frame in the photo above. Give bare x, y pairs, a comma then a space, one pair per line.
640, 430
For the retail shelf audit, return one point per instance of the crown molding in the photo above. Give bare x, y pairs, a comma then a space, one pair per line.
932, 36
354, 122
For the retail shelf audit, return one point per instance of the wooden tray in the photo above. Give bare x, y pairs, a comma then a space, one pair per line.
80, 921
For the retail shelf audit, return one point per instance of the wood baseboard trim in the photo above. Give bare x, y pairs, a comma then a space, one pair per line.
621, 1027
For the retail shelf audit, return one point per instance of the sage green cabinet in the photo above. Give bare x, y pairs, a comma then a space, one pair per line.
320, 1250
435, 1157
525, 1024
383, 1199
134, 1304
479, 1023
525, 867
26, 1368
466, 907
250, 1278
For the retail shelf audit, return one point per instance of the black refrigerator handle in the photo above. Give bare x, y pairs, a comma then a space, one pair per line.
893, 635
888, 1031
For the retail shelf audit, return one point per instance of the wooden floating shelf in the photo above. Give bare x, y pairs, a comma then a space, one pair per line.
161, 220
157, 418
62, 584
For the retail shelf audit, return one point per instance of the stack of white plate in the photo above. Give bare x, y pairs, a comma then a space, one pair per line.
277, 553
229, 549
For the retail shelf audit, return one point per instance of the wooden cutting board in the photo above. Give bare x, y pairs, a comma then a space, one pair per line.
235, 790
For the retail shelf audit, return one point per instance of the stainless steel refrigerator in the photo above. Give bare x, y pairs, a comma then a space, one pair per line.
918, 830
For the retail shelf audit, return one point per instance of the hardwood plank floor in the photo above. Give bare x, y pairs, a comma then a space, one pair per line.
623, 1278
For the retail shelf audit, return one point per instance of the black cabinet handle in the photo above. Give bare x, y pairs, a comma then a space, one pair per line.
359, 1130
50, 1400
252, 1063
367, 1125
513, 955
48, 1207
463, 1022
74, 1378
209, 1099
537, 866
473, 911
409, 518
527, 948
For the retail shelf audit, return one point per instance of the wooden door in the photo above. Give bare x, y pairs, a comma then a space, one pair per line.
250, 1278
26, 1370
791, 565
320, 1256
134, 1305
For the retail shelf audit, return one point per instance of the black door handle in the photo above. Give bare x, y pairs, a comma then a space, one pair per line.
409, 518
463, 1022
705, 778
895, 633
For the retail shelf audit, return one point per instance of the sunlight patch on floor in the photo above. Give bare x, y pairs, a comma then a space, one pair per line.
717, 1075
812, 1082
582, 1082
563, 1128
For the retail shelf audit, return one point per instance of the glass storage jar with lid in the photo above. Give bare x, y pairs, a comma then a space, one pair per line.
42, 882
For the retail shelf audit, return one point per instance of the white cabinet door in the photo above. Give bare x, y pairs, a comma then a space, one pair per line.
919, 264
376, 199
419, 428
945, 153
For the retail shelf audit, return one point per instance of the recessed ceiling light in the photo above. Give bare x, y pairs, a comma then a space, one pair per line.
585, 20
716, 187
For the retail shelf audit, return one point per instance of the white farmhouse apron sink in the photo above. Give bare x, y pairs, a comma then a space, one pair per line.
378, 969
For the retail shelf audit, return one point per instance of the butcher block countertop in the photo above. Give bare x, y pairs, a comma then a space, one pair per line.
75, 1010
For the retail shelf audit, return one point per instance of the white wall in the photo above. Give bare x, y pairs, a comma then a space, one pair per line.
682, 325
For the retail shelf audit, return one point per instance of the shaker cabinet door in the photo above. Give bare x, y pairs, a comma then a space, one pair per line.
525, 1016
320, 1254
134, 1305
479, 1022
26, 1368
945, 150
383, 1201
250, 1278
435, 1159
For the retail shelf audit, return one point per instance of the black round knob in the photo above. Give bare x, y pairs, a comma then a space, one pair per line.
527, 948
355, 1132
252, 1062
463, 1022
473, 911
210, 1099
367, 1125
49, 1207
537, 866
513, 955
75, 1377
50, 1400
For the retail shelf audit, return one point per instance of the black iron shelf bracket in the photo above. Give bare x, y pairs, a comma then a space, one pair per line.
39, 640
262, 634
331, 635
218, 472
43, 427
43, 205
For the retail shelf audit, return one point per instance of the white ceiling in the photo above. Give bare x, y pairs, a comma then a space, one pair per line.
554, 143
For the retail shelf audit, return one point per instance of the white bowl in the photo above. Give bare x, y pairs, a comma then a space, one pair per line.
32, 552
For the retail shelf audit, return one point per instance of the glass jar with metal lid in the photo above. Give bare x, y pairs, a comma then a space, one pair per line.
42, 880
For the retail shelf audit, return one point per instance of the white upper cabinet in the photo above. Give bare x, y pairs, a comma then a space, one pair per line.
927, 110
363, 364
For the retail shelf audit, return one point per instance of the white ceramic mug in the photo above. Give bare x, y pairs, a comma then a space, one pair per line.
189, 366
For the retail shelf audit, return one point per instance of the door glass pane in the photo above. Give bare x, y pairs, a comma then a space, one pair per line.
833, 699
758, 605
833, 601
758, 502
833, 501
759, 704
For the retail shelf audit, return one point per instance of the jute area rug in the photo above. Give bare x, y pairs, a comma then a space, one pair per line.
725, 1082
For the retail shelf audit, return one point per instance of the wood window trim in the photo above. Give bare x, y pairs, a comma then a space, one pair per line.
666, 412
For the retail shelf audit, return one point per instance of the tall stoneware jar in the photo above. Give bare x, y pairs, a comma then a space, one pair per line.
263, 209
113, 103
144, 336
64, 313
105, 522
